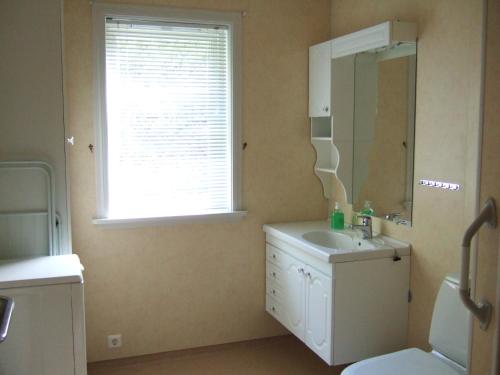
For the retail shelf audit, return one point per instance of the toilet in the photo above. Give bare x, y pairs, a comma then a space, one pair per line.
449, 336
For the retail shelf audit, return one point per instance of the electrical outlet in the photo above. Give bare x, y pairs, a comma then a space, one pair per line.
114, 341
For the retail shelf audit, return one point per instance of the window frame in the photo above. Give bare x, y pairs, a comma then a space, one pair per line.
163, 14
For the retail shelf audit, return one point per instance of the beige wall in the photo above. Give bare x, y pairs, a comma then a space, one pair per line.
447, 112
180, 286
488, 253
32, 121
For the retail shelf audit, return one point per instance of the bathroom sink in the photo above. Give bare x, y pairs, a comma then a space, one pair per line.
336, 240
319, 240
333, 240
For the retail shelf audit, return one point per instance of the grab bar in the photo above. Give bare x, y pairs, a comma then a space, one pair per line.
482, 310
7, 306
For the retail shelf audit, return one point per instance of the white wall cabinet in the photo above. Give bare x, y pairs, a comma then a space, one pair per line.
345, 311
320, 57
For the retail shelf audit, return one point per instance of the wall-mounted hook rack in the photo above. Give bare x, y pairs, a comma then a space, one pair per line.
439, 184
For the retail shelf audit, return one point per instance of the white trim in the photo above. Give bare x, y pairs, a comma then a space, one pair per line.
153, 13
149, 221
98, 13
79, 339
477, 189
66, 242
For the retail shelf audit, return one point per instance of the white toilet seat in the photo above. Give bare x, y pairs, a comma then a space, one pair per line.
405, 362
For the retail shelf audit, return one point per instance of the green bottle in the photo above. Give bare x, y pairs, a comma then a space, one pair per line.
367, 209
337, 218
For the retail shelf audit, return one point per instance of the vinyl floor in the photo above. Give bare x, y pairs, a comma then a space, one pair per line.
277, 355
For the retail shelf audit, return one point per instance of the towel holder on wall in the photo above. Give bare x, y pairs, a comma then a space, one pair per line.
481, 310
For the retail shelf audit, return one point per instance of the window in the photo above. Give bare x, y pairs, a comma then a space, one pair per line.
167, 112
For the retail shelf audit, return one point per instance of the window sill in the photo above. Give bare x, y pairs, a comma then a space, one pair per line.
165, 220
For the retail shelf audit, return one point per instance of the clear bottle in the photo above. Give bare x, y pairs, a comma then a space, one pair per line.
337, 218
367, 209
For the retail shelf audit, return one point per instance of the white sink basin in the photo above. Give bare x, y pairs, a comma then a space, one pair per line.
336, 240
319, 240
332, 240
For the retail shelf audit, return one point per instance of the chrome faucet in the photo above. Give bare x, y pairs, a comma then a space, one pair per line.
392, 216
365, 227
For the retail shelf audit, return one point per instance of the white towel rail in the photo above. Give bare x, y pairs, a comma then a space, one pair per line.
481, 310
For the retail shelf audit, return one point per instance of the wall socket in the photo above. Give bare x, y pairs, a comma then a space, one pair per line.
114, 341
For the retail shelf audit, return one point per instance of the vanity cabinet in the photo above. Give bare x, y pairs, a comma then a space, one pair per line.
320, 57
344, 311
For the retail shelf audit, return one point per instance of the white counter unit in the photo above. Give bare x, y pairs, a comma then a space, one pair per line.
46, 335
346, 304
16, 273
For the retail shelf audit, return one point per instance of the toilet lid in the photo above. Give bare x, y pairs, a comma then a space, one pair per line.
405, 362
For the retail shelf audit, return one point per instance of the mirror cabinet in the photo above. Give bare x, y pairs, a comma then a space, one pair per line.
362, 112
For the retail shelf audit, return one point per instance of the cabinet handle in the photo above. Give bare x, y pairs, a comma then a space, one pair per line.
325, 109
274, 291
300, 270
273, 308
308, 274
6, 314
274, 274
274, 256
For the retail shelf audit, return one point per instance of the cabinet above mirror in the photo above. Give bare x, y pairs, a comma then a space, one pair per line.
362, 110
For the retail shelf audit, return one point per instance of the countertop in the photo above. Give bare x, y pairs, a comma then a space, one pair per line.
38, 271
292, 233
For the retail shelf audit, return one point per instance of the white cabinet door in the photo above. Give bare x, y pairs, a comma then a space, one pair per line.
319, 313
294, 295
320, 57
40, 337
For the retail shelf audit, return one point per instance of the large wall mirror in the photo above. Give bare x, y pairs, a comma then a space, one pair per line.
374, 112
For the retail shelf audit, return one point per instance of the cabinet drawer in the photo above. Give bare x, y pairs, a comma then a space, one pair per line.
274, 255
274, 290
274, 274
274, 308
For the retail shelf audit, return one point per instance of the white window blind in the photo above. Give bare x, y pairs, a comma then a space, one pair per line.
169, 120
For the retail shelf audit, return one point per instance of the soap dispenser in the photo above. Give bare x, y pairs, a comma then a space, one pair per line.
337, 218
367, 209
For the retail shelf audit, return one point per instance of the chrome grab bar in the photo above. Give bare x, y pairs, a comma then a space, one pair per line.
482, 310
6, 308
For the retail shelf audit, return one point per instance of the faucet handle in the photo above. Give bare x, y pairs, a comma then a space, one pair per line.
365, 219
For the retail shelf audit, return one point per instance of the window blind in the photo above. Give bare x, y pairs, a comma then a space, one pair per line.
169, 128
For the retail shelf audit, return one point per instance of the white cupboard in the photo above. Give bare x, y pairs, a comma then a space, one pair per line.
344, 311
46, 334
320, 57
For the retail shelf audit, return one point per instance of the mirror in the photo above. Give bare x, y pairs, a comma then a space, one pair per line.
374, 114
